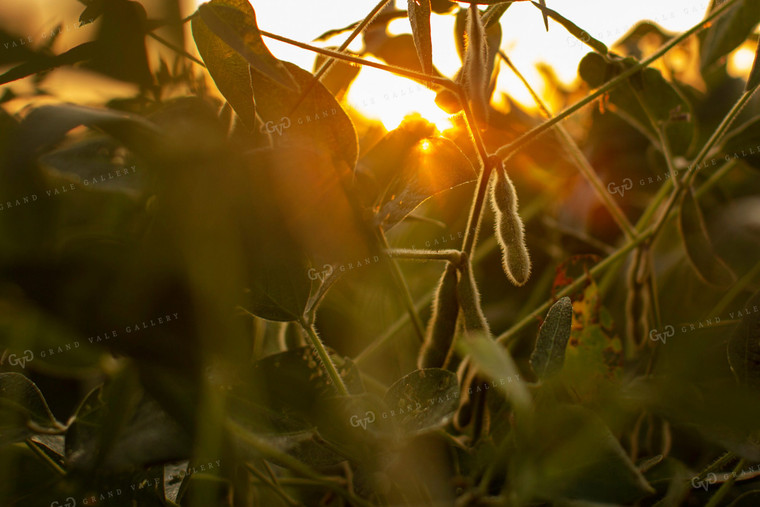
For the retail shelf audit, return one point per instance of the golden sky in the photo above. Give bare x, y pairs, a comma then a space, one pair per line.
377, 94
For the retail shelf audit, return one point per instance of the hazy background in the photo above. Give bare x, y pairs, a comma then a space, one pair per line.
524, 40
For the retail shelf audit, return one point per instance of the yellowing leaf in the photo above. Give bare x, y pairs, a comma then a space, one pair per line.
228, 69
594, 353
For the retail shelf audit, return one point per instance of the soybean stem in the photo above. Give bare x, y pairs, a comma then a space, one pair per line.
327, 362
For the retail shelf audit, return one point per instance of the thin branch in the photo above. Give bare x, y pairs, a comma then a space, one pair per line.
419, 76
532, 135
325, 358
328, 63
453, 256
400, 281
691, 173
274, 487
176, 49
584, 166
509, 335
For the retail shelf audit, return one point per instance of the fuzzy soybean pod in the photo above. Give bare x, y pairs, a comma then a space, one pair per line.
443, 322
469, 301
510, 232
474, 70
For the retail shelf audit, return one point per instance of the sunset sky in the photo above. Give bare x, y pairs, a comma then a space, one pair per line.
379, 95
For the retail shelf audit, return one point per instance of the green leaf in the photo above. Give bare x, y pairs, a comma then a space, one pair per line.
47, 125
670, 109
23, 409
228, 69
549, 355
744, 346
434, 165
28, 480
302, 384
117, 429
496, 363
569, 453
235, 23
743, 143
419, 17
405, 169
594, 355
699, 248
424, 399
729, 31
307, 447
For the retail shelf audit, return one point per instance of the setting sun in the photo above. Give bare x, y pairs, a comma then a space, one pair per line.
234, 273
390, 98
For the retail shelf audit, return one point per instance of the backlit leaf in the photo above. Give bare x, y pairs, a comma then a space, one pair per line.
22, 408
549, 354
669, 107
419, 17
594, 354
235, 24
424, 399
432, 166
319, 121
744, 346
729, 31
228, 69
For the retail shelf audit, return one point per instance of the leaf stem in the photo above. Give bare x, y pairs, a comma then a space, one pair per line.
400, 281
531, 135
274, 487
327, 362
419, 76
688, 178
509, 335
176, 49
581, 162
453, 256
267, 451
328, 63
726, 486
42, 455
476, 209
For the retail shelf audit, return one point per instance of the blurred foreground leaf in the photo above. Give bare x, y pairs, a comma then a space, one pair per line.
570, 454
